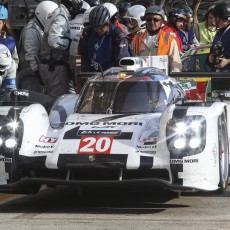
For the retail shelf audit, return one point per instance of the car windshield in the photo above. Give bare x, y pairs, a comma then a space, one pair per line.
126, 96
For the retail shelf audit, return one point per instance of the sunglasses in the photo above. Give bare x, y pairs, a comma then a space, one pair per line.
153, 19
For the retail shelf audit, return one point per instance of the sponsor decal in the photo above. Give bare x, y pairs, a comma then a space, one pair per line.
214, 153
95, 145
149, 152
150, 140
21, 93
42, 152
104, 127
183, 161
146, 146
99, 132
6, 160
48, 139
104, 123
43, 146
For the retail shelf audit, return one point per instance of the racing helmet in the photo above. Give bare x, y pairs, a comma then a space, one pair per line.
154, 9
99, 16
3, 13
43, 10
5, 59
222, 10
112, 10
73, 6
124, 6
134, 14
85, 20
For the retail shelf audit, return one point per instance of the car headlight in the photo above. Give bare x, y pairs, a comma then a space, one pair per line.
186, 136
11, 143
12, 126
10, 135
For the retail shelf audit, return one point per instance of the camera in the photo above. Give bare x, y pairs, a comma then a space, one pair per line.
218, 52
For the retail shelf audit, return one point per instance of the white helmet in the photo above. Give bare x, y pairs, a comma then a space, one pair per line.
86, 16
5, 58
112, 8
85, 6
43, 10
134, 13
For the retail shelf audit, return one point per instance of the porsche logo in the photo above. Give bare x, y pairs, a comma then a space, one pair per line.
92, 158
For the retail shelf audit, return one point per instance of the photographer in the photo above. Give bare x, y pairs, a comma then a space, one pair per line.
219, 57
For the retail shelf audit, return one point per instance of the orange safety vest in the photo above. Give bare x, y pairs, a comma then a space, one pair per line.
164, 42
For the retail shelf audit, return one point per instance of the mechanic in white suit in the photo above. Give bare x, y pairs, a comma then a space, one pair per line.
54, 55
8, 69
30, 43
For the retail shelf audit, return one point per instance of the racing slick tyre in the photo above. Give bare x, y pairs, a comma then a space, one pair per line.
223, 154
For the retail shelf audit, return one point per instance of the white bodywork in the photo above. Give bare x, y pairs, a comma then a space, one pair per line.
91, 136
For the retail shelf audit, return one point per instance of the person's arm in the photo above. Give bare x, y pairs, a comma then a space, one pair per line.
10, 78
59, 36
121, 46
32, 43
222, 63
175, 64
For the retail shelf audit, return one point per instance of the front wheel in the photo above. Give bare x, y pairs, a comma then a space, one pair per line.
223, 153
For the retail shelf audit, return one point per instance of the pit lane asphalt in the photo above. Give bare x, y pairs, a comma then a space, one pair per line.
114, 208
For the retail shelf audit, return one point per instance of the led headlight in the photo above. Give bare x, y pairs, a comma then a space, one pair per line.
11, 143
10, 135
12, 126
1, 141
186, 136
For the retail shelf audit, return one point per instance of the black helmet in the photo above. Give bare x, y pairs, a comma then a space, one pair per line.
178, 13
154, 10
73, 6
124, 6
99, 16
95, 2
222, 10
188, 11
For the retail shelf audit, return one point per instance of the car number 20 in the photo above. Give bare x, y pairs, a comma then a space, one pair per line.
95, 145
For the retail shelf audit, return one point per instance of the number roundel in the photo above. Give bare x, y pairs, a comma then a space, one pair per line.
95, 145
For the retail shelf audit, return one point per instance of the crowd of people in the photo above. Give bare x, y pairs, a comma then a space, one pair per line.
105, 34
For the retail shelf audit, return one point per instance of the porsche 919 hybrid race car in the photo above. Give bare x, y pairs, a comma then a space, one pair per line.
130, 125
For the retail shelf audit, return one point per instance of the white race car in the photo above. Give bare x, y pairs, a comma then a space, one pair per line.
131, 124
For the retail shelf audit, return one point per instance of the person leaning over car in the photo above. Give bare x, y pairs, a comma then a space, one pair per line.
155, 41
219, 57
54, 55
102, 44
30, 43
